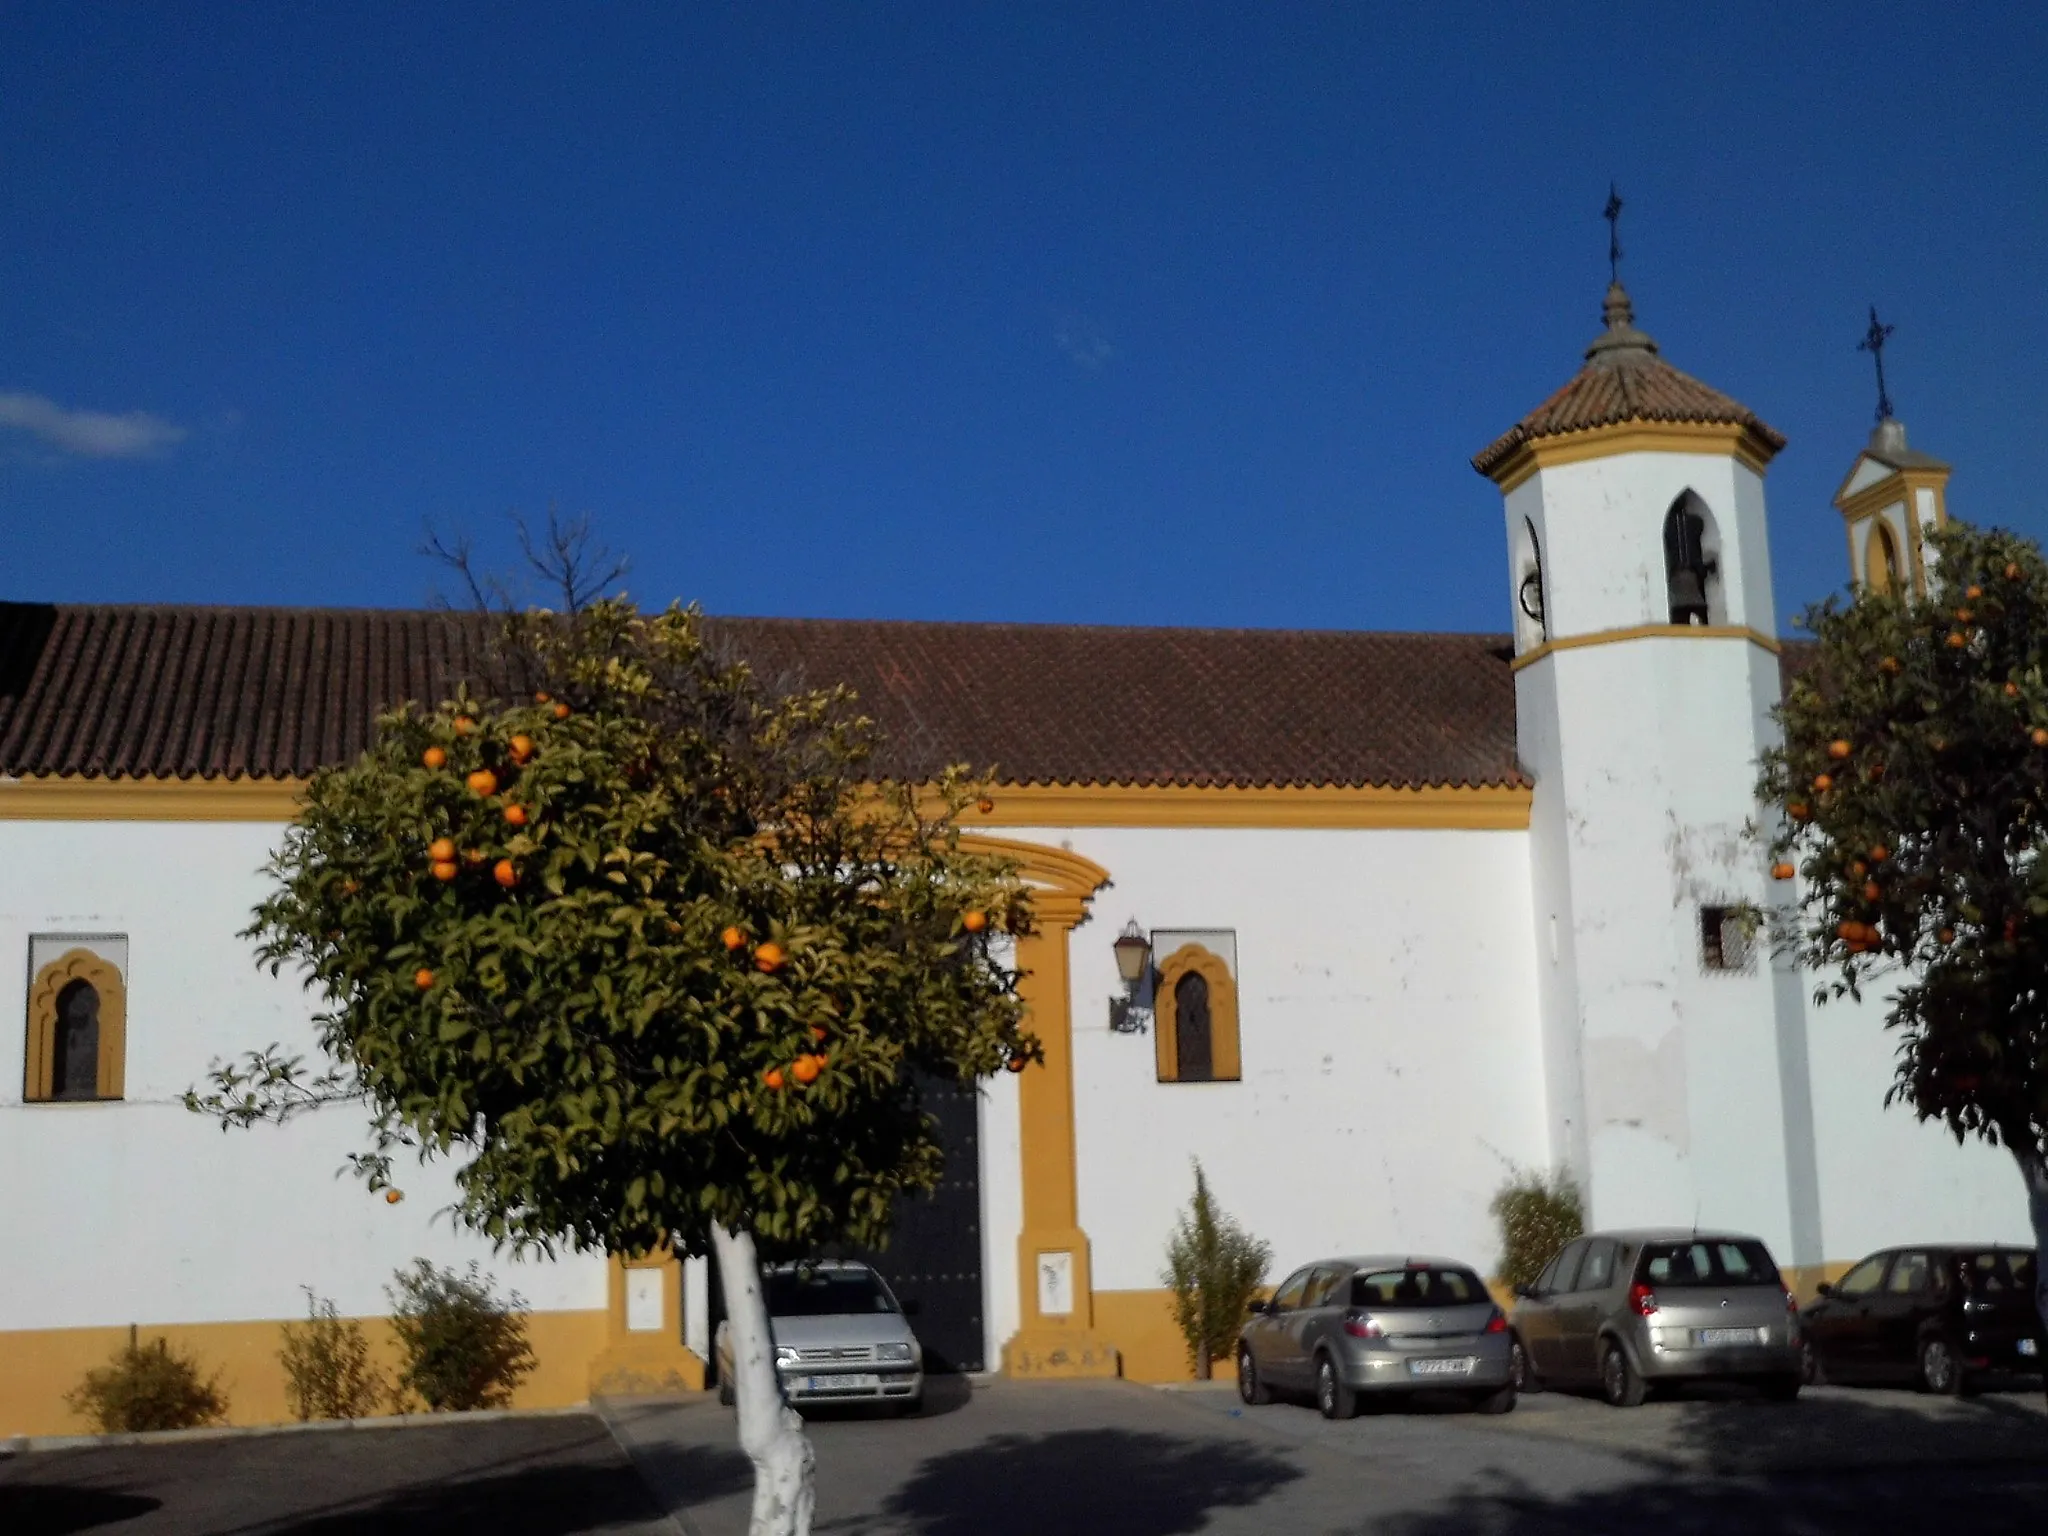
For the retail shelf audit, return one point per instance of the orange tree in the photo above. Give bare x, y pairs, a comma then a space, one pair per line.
1912, 787
635, 941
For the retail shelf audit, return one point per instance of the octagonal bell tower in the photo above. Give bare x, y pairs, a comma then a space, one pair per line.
1646, 665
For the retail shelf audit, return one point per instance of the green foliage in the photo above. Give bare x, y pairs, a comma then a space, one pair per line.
1913, 796
1214, 1268
327, 1369
578, 1034
1538, 1215
463, 1348
147, 1387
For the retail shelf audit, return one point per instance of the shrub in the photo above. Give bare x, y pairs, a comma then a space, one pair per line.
1538, 1215
148, 1387
1214, 1268
327, 1370
463, 1347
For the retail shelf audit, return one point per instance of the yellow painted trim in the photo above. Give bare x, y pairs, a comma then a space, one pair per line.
79, 799
1900, 488
1737, 442
656, 1360
38, 1366
110, 1071
1648, 632
1223, 1047
1475, 808
1881, 558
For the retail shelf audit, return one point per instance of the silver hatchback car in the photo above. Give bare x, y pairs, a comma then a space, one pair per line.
1348, 1329
1625, 1310
840, 1337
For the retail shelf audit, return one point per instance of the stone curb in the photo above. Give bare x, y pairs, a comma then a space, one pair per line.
20, 1444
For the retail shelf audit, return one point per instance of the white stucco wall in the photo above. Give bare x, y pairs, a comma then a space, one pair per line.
1392, 1072
140, 1211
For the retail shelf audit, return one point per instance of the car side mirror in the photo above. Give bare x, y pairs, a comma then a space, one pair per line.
1525, 1292
1255, 1305
912, 1307
1826, 1289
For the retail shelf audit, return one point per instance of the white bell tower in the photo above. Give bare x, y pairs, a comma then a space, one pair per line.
1646, 664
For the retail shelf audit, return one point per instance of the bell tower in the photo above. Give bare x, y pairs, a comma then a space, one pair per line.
1893, 497
1646, 666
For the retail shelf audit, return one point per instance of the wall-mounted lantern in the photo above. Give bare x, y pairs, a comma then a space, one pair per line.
1129, 1014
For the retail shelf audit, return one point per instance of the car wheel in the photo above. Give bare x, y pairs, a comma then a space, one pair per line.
1620, 1382
1334, 1399
1520, 1372
1254, 1391
1813, 1370
1499, 1401
1941, 1369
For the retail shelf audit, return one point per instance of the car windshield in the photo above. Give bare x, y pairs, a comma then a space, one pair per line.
1714, 1261
824, 1292
1421, 1286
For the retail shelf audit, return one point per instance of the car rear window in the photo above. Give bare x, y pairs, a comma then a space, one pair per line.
824, 1293
1423, 1286
1707, 1261
1996, 1272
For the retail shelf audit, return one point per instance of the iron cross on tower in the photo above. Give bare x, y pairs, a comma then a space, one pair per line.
1613, 217
1873, 342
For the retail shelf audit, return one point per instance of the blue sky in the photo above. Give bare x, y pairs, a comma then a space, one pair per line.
1159, 313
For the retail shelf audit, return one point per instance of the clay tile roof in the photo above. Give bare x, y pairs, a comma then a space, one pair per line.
118, 692
1623, 380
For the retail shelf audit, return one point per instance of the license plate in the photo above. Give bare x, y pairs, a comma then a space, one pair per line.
2028, 1347
848, 1381
1710, 1336
1440, 1367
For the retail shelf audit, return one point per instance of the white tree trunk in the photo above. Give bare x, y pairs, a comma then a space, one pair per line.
771, 1432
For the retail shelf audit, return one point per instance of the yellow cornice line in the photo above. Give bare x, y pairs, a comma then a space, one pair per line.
1480, 808
1648, 632
1739, 442
1895, 488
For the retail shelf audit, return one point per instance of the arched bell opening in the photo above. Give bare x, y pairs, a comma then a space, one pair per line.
1692, 563
1532, 628
1881, 563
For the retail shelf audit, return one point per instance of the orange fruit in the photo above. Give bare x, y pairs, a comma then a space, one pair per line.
1858, 869
806, 1069
1783, 871
423, 978
817, 1031
349, 887
732, 938
516, 815
1872, 891
1798, 810
2012, 573
393, 1196
445, 869
1956, 640
2012, 690
974, 922
506, 873
434, 757
441, 848
1889, 666
985, 805
2039, 737
464, 725
1838, 750
1947, 935
521, 748
1963, 615
1823, 782
1874, 772
1879, 853
1974, 593
472, 858
542, 698
1017, 1063
482, 782
562, 711
768, 957
772, 1077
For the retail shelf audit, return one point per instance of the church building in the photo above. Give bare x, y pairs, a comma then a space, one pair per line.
1403, 914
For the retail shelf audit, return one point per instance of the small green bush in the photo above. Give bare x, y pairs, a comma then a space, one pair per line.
148, 1387
1214, 1268
327, 1370
1538, 1215
463, 1347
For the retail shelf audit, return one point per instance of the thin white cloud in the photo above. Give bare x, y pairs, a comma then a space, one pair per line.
1082, 340
87, 434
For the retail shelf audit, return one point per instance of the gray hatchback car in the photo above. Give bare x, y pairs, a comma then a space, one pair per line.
1625, 1310
1346, 1329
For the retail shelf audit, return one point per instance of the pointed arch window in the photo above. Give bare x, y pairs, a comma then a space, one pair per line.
1883, 561
1691, 569
77, 1030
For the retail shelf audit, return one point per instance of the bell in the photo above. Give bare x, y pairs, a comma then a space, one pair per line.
1688, 597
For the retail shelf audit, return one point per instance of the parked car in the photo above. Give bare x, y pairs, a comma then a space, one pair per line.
1941, 1315
840, 1337
1624, 1310
1348, 1329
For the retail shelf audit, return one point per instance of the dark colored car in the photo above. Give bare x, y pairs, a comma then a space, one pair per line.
1940, 1315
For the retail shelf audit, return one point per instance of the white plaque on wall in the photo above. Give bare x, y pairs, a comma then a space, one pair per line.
1055, 1284
643, 1300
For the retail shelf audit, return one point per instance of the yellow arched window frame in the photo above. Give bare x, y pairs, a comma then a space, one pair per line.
1194, 959
45, 994
1883, 563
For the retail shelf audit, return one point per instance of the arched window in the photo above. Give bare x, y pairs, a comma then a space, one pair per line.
1531, 626
77, 1030
1691, 571
1195, 1017
1883, 562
